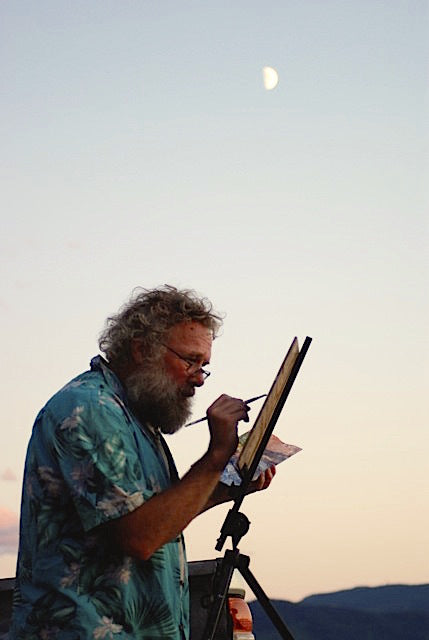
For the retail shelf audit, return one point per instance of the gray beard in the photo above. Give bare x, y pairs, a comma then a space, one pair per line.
157, 400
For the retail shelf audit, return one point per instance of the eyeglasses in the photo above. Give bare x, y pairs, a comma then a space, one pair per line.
193, 367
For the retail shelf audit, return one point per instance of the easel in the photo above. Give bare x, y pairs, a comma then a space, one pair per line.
236, 524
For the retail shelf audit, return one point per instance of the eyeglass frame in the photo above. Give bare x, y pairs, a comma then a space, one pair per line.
190, 363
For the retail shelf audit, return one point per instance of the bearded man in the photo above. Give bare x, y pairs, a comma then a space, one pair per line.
101, 551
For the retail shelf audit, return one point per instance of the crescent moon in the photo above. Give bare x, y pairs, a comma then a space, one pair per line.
270, 78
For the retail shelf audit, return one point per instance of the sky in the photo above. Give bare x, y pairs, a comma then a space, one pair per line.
140, 147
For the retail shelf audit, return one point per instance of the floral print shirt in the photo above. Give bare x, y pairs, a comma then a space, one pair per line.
89, 461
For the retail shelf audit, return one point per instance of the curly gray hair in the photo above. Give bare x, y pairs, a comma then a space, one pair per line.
148, 316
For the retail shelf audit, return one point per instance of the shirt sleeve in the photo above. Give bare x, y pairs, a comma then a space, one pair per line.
95, 449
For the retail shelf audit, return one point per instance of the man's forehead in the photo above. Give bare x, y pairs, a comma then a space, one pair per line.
191, 333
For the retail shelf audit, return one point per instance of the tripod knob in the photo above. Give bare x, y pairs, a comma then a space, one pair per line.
236, 525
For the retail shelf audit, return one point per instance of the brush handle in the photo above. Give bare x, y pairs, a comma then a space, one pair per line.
246, 402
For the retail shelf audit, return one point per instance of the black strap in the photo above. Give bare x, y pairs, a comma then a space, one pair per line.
174, 476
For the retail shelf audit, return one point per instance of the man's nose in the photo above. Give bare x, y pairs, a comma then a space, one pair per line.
198, 378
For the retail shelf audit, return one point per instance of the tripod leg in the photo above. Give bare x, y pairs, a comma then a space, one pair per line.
221, 585
243, 566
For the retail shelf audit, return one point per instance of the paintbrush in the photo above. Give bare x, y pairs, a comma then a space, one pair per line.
245, 402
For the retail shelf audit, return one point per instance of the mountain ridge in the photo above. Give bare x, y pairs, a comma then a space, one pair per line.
387, 612
389, 597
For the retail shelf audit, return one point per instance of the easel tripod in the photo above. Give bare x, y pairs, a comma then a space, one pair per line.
236, 524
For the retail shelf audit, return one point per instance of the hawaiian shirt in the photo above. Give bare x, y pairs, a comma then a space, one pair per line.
89, 461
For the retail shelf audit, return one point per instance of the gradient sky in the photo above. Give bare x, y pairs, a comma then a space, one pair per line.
139, 147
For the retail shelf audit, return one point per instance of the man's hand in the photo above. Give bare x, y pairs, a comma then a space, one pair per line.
263, 481
222, 492
223, 417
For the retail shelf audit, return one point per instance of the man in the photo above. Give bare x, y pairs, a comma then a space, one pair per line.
101, 549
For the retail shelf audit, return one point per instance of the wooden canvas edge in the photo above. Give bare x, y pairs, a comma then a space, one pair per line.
267, 410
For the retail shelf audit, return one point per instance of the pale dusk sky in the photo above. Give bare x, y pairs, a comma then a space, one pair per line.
140, 147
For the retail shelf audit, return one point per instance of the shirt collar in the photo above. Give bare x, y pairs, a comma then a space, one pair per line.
98, 363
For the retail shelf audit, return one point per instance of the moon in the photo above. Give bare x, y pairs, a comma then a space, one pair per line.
270, 78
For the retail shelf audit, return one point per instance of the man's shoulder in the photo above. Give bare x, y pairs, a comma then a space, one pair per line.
84, 407
88, 390
85, 385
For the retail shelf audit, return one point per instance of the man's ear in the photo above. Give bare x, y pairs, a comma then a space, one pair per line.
137, 351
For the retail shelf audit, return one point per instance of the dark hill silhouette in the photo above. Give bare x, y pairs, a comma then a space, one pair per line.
393, 612
395, 598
